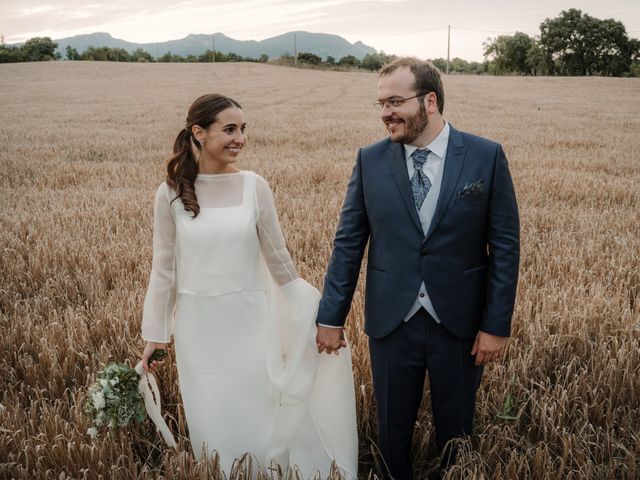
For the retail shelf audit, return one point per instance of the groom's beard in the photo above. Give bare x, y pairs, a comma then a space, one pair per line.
414, 125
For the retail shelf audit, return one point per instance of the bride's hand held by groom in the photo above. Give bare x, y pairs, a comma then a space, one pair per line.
330, 340
149, 348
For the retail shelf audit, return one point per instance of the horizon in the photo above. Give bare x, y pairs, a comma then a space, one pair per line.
419, 31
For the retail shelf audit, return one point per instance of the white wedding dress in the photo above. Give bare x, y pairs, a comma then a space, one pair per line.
243, 325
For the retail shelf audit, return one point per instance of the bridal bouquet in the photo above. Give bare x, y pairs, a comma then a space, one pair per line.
122, 394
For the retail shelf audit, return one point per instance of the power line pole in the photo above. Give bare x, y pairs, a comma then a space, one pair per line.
295, 49
448, 47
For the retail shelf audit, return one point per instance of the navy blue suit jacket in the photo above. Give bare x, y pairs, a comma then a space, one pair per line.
468, 259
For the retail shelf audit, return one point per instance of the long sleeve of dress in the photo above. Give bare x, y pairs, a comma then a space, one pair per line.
160, 300
272, 243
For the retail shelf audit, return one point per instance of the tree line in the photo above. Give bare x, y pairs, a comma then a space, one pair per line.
573, 43
44, 49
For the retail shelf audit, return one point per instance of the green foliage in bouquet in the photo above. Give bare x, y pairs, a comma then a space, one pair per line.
114, 400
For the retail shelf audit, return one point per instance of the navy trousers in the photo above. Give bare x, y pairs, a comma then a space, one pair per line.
399, 363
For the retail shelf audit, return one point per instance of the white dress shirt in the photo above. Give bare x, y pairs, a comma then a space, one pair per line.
432, 168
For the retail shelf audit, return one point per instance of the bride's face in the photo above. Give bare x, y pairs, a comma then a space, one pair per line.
225, 138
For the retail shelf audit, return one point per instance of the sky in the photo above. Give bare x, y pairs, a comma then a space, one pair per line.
401, 27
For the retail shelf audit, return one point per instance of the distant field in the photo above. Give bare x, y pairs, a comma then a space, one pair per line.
82, 147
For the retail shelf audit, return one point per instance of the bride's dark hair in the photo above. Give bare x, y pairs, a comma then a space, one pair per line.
182, 168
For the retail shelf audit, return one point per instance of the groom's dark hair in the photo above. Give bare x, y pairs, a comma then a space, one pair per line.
427, 76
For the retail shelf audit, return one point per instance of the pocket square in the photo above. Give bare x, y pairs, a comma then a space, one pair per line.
471, 189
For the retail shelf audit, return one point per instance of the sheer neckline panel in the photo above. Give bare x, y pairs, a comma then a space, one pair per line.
220, 190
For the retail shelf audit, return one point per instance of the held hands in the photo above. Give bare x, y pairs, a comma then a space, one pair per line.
149, 348
488, 347
330, 340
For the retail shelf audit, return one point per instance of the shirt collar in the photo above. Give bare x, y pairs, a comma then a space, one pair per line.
438, 146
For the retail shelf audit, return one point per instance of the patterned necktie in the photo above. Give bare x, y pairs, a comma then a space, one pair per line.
420, 183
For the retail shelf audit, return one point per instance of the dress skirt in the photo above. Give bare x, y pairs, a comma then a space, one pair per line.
220, 353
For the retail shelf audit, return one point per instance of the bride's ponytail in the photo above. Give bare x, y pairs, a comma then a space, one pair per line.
182, 168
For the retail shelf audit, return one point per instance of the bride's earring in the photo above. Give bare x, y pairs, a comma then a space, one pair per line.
201, 142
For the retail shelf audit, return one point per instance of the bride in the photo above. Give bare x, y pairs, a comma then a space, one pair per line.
224, 286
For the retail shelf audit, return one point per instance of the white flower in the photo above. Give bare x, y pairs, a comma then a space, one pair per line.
98, 399
100, 418
114, 381
92, 432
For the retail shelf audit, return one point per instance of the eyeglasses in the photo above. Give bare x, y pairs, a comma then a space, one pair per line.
395, 102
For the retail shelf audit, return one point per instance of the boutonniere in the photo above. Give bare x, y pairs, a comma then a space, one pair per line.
471, 189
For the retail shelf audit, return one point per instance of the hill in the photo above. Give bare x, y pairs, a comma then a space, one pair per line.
321, 44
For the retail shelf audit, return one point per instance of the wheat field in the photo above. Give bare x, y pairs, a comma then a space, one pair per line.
82, 148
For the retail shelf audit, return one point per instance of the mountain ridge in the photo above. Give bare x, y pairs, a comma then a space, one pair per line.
321, 44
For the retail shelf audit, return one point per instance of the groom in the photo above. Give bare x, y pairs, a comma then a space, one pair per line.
438, 210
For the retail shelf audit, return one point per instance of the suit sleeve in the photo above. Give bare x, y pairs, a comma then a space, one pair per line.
503, 237
349, 244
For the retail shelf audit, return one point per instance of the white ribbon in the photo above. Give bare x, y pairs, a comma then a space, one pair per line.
148, 388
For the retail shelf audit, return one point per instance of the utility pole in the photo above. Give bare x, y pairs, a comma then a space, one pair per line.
295, 49
213, 45
448, 47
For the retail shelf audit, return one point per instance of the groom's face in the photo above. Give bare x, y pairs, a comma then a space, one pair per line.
405, 120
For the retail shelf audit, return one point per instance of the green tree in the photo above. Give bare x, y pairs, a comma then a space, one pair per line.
10, 54
509, 54
264, 58
440, 64
536, 60
578, 44
38, 49
234, 57
309, 58
221, 57
117, 55
95, 53
330, 60
375, 61
372, 61
171, 58
140, 55
349, 61
459, 65
208, 56
72, 53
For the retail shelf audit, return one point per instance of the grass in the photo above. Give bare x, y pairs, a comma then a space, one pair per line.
82, 147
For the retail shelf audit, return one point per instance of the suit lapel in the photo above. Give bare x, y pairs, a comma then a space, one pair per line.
452, 168
398, 164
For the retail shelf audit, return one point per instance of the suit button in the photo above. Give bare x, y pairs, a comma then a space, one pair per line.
423, 252
422, 295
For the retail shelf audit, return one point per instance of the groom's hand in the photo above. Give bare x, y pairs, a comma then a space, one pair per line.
488, 347
330, 340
